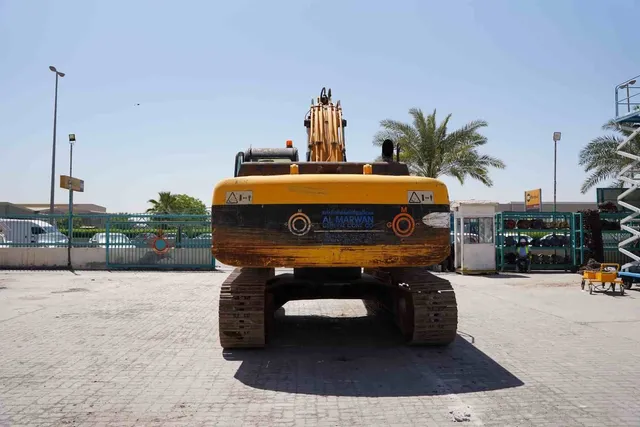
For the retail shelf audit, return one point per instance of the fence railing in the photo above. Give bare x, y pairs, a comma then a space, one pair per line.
612, 235
104, 230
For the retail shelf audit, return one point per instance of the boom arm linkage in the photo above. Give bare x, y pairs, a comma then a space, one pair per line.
325, 130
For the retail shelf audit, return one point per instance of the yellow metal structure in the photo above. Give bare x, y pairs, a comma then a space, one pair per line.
257, 247
597, 280
340, 189
349, 230
325, 130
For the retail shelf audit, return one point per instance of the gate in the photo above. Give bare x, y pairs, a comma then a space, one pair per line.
159, 241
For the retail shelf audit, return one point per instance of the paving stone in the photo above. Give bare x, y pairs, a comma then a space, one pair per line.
141, 348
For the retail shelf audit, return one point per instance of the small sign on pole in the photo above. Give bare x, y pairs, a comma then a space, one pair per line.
556, 136
533, 200
73, 184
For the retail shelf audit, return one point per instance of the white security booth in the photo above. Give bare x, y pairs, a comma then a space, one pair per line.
474, 235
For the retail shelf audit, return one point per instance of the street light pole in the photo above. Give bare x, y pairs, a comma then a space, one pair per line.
556, 138
53, 151
72, 140
555, 167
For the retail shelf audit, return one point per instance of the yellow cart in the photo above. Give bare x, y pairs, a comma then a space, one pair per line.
597, 280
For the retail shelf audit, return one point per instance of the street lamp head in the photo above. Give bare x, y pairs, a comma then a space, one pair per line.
52, 68
627, 84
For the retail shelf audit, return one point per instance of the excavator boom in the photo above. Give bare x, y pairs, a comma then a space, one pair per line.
325, 130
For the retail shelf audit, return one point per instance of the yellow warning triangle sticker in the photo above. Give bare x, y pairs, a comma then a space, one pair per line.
232, 199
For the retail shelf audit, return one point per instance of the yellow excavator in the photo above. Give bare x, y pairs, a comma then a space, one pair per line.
347, 229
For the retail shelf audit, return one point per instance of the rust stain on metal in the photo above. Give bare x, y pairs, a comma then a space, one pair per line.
330, 256
300, 189
257, 236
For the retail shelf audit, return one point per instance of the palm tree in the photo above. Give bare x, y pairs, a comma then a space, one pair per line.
430, 151
166, 203
599, 157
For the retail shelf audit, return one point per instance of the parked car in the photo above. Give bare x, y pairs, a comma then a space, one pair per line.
512, 238
206, 236
31, 232
143, 240
202, 240
553, 240
116, 240
173, 240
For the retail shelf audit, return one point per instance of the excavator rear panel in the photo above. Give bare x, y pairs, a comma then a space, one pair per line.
330, 220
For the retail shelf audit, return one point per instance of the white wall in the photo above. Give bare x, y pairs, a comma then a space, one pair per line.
96, 258
479, 257
81, 258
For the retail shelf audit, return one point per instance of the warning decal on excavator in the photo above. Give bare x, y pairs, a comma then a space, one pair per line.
420, 197
239, 197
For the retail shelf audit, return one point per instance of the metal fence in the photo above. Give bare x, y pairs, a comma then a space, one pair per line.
142, 240
612, 235
129, 240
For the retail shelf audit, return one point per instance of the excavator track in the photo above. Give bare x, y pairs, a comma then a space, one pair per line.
243, 308
425, 305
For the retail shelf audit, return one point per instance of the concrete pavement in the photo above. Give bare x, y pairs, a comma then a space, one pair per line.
125, 348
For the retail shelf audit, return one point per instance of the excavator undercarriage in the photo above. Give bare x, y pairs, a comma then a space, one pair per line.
423, 305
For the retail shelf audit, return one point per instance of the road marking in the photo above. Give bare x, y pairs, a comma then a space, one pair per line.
420, 197
239, 198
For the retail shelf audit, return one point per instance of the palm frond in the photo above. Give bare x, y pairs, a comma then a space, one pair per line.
398, 127
430, 151
597, 176
489, 161
165, 203
617, 184
599, 157
441, 131
424, 151
419, 122
383, 134
468, 134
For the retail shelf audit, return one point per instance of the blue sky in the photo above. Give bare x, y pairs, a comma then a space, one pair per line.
213, 78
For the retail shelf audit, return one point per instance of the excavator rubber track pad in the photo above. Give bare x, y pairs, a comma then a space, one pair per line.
242, 308
426, 307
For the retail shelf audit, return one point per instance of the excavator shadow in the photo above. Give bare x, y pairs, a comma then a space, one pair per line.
363, 356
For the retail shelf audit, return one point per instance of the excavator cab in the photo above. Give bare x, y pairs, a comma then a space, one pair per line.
239, 160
